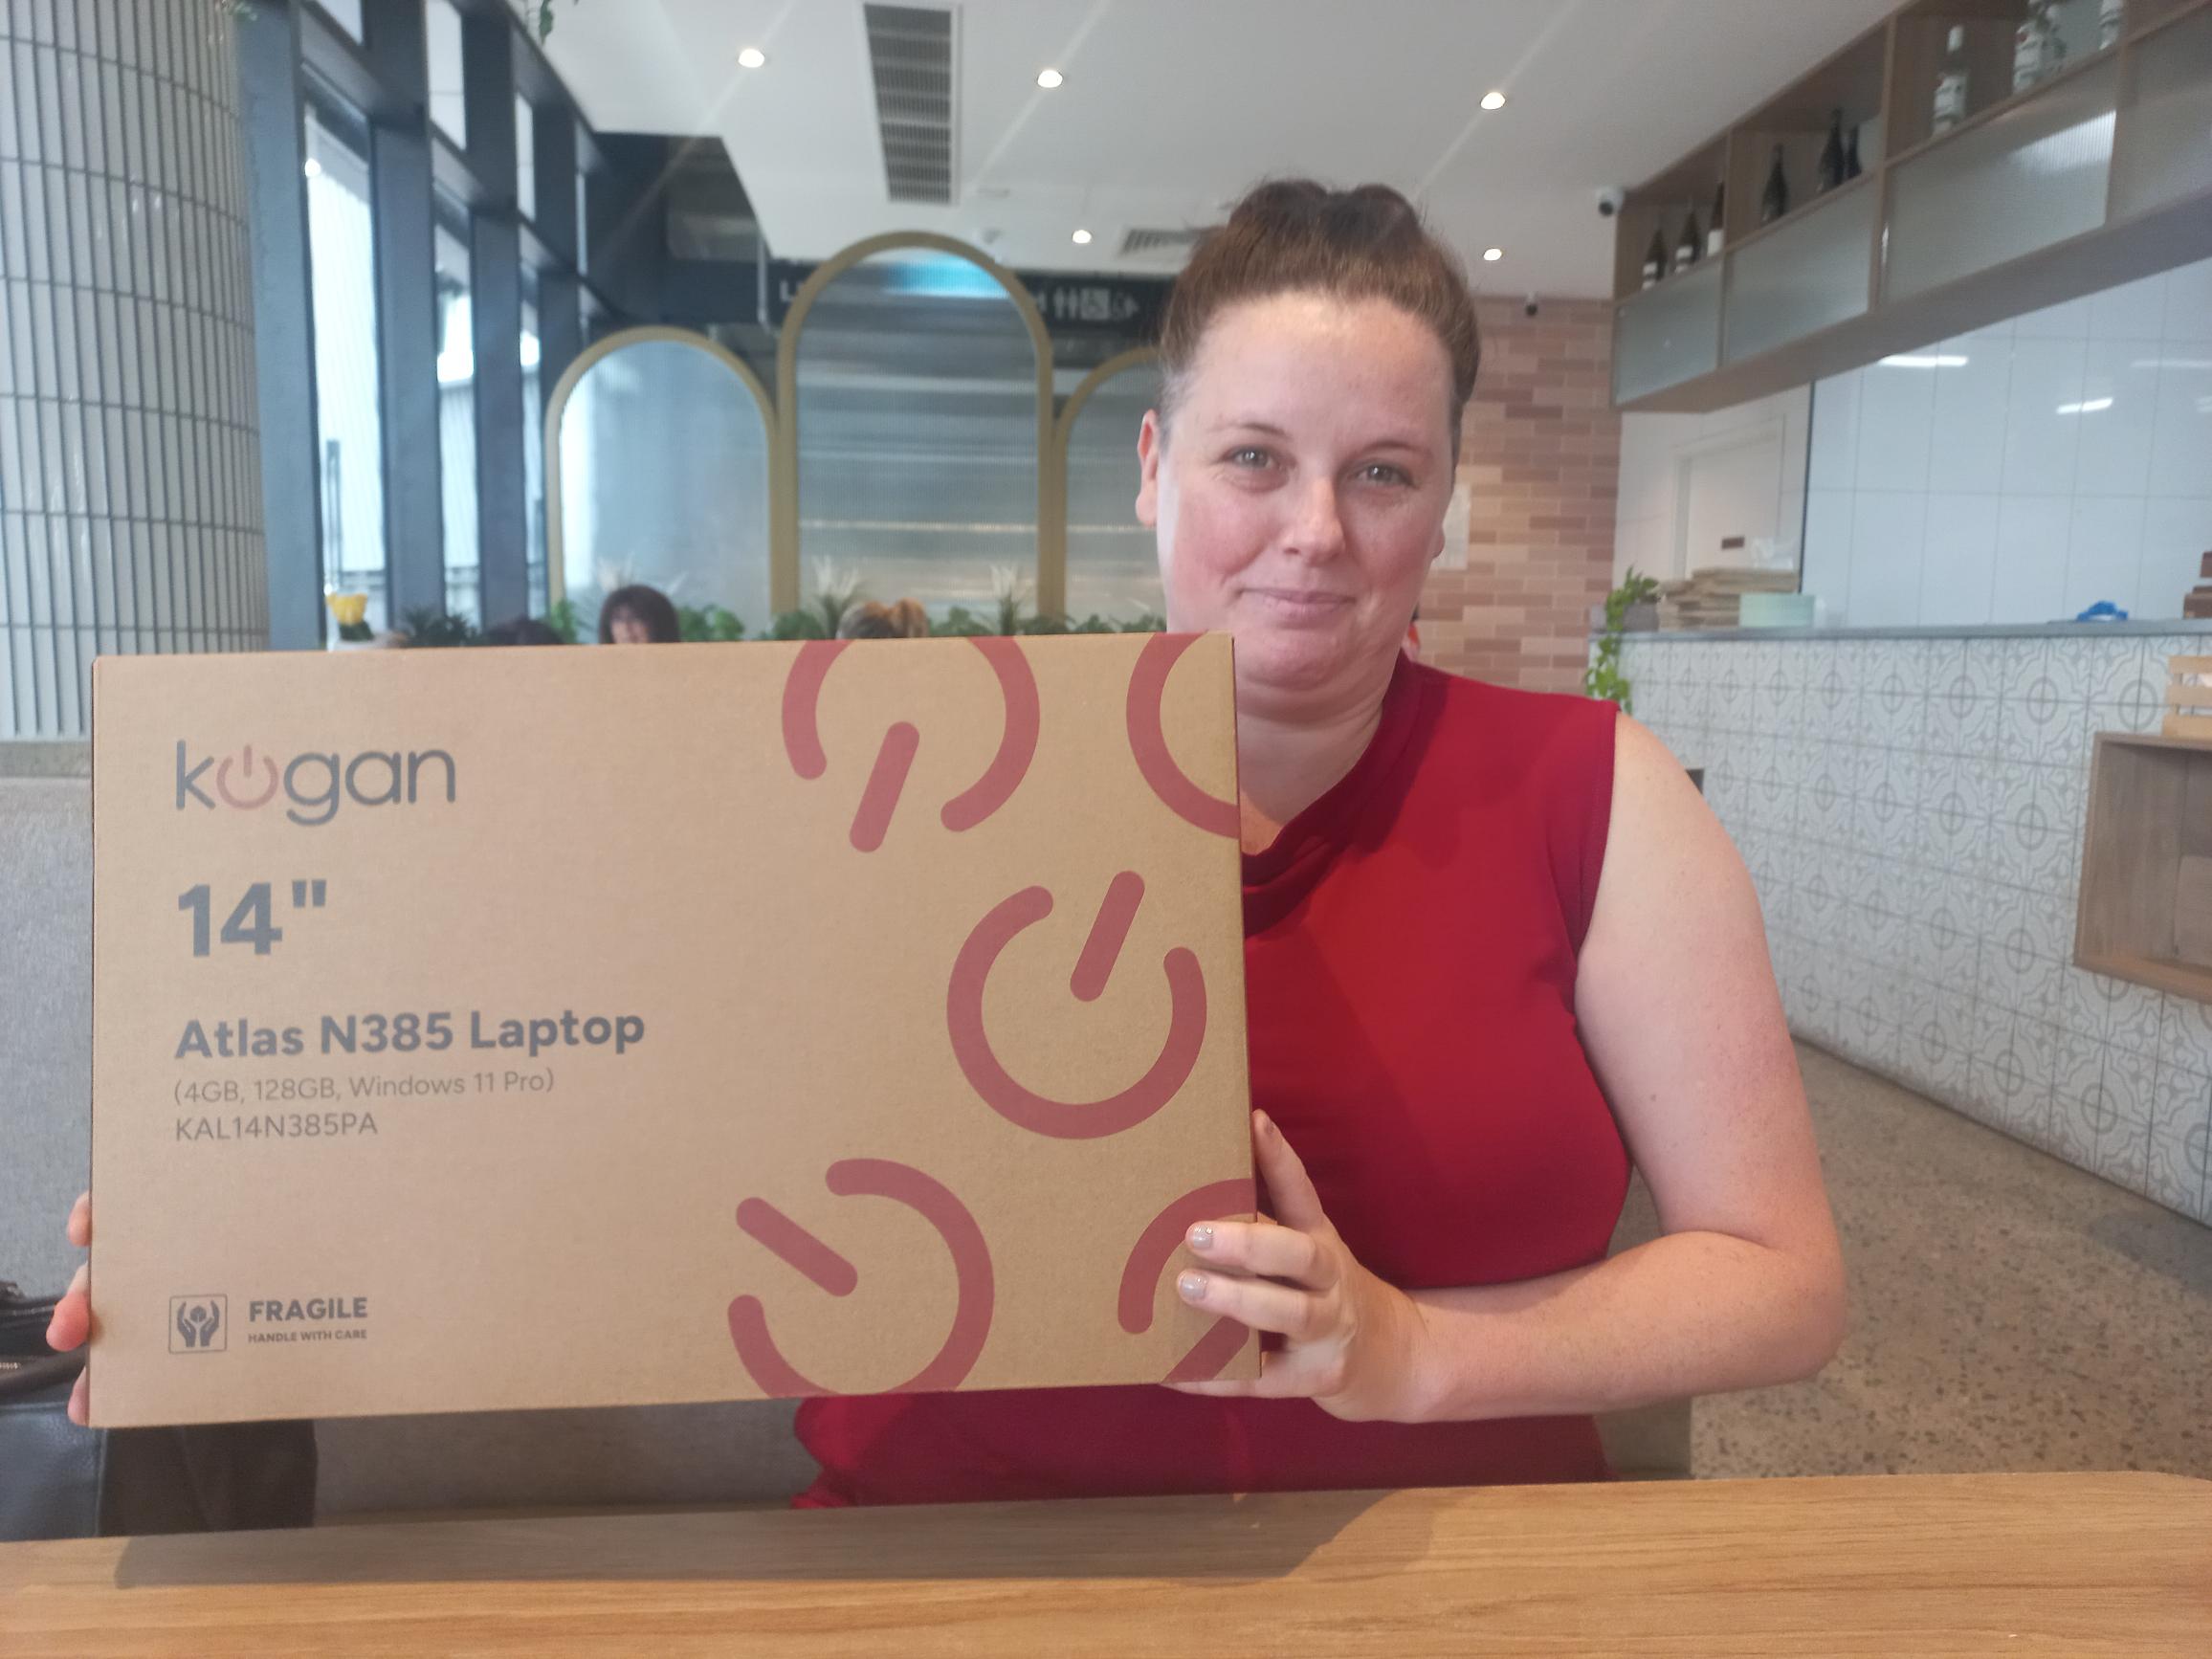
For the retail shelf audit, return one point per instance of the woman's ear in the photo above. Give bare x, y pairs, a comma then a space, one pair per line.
1151, 439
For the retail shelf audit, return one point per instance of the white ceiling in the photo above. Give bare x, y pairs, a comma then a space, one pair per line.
1172, 107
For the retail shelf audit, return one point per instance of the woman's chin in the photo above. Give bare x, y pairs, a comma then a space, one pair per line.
1294, 660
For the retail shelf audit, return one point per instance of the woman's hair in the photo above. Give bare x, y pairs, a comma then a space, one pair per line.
523, 631
1296, 236
649, 605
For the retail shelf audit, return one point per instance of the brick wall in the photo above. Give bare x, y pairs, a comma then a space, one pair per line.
1540, 452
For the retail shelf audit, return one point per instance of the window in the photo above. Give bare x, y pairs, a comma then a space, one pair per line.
349, 446
525, 158
457, 413
532, 448
448, 104
345, 13
918, 435
1112, 567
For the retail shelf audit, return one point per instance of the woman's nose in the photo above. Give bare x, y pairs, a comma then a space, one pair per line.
1317, 532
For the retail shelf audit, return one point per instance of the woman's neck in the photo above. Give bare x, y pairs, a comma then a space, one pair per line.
1290, 752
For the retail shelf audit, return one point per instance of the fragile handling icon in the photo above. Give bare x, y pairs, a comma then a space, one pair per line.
199, 1324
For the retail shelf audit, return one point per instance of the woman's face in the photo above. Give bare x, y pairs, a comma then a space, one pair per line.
629, 629
1300, 497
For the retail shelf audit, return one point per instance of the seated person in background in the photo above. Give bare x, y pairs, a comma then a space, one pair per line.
638, 615
867, 620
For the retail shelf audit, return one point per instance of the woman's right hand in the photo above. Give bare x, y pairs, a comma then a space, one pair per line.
73, 1315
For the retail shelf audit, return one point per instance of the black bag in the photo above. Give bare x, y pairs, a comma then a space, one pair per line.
59, 1481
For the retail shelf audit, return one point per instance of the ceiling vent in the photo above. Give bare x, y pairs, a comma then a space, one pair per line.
910, 48
1141, 242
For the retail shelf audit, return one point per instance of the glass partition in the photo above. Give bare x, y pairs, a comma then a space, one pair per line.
2028, 178
1669, 334
917, 434
1112, 569
1808, 273
2168, 150
664, 479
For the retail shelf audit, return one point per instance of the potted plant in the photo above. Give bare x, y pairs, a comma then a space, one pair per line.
1604, 679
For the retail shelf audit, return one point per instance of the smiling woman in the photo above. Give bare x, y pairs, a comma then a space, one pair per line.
1496, 951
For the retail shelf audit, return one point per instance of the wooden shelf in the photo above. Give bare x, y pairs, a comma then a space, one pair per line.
1933, 272
2003, 106
2145, 914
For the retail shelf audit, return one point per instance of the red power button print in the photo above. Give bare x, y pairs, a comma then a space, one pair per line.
1041, 1113
895, 756
809, 1255
1149, 1257
1149, 739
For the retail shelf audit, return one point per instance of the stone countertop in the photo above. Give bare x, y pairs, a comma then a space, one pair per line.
2170, 625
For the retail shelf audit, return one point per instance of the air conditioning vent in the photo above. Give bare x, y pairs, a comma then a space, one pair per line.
910, 48
1152, 241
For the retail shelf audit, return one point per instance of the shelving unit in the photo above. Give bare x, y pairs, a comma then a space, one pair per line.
2146, 893
2099, 173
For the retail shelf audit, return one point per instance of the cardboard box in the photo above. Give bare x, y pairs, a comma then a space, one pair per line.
495, 1029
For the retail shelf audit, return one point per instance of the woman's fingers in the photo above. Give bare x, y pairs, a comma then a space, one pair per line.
1284, 1375
1264, 1250
1297, 1204
80, 1401
1283, 1309
72, 1321
81, 1221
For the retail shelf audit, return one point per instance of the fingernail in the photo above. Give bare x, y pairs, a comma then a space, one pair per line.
1192, 1286
1267, 1123
1201, 1236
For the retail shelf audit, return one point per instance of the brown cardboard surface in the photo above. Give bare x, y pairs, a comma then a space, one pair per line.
921, 970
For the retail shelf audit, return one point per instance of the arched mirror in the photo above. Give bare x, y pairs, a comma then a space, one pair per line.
659, 440
918, 427
1113, 570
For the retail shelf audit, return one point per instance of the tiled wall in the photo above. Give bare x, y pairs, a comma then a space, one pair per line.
1911, 810
1540, 454
130, 503
2022, 472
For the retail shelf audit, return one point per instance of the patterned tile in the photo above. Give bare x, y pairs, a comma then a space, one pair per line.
2185, 1034
2181, 1141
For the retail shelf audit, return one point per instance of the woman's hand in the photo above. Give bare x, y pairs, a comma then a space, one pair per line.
72, 1321
1355, 1346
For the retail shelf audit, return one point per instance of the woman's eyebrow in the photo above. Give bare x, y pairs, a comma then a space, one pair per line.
1395, 441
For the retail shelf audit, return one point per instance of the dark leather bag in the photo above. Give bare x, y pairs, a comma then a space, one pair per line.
59, 1481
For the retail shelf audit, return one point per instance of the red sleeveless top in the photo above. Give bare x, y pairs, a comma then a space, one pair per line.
1409, 955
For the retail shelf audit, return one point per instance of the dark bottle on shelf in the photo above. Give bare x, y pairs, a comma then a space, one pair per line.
1774, 201
1829, 173
1655, 258
1691, 248
1714, 234
1851, 168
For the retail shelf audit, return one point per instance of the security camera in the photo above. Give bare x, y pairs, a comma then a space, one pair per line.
1610, 200
1531, 306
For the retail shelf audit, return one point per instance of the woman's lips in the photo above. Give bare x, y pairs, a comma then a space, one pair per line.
1297, 603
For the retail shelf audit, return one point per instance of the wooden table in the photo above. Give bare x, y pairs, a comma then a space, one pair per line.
1919, 1565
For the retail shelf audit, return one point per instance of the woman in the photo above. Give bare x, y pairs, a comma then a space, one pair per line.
638, 615
1496, 946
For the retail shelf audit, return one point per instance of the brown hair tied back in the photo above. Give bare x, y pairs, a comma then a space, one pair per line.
1296, 236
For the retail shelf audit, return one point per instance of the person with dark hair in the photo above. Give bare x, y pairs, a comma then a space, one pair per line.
523, 631
867, 620
1498, 952
638, 615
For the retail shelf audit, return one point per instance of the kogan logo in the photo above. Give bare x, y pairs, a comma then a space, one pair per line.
313, 785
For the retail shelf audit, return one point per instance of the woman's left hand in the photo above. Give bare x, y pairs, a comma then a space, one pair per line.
1351, 1343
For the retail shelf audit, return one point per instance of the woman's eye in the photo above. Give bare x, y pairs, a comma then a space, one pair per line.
1248, 456
1383, 472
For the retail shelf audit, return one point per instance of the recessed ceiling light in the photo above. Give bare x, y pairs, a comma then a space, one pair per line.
1082, 238
1048, 78
1493, 255
752, 57
314, 168
1494, 100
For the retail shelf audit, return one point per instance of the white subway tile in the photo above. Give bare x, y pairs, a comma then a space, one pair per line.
1896, 415
1834, 458
2189, 303
2043, 422
2069, 319
2181, 438
2132, 311
2033, 533
2176, 535
2104, 553
1888, 538
1966, 450
1959, 568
